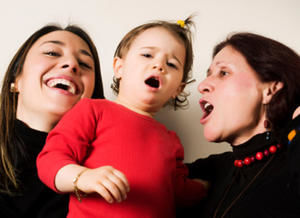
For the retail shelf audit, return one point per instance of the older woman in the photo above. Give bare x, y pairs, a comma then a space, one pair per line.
249, 96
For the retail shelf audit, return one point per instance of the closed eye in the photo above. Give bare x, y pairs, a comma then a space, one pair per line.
172, 65
147, 55
85, 65
52, 53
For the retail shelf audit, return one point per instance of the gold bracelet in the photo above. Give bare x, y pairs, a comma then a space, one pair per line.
77, 191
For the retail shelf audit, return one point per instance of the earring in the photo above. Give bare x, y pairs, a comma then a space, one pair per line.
267, 124
13, 88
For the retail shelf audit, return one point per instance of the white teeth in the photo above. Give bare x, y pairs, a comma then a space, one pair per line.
69, 86
208, 107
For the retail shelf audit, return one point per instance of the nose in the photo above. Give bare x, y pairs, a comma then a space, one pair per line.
159, 66
205, 86
72, 64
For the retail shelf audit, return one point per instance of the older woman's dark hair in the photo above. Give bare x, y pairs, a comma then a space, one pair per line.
272, 61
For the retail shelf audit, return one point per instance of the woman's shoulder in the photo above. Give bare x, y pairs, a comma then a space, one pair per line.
210, 165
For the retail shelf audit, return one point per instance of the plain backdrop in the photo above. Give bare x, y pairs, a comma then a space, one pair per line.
108, 20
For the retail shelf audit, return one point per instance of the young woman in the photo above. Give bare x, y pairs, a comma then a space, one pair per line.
52, 70
250, 99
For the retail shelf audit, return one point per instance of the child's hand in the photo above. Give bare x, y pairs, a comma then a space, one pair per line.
108, 182
205, 183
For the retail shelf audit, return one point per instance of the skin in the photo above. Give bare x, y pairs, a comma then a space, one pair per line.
56, 55
154, 53
238, 98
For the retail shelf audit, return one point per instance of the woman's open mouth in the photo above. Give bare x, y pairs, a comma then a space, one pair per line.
64, 84
206, 107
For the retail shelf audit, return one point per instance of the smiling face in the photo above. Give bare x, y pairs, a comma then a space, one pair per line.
57, 72
232, 100
151, 72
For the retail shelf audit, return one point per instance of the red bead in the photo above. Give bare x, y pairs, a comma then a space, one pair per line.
238, 163
273, 149
247, 161
259, 156
266, 152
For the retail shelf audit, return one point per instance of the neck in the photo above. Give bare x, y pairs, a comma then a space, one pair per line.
40, 123
137, 109
243, 136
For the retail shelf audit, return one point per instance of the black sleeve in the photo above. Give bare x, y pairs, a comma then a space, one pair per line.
208, 168
292, 139
6, 210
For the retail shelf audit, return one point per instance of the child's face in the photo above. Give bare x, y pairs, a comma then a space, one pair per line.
151, 72
57, 72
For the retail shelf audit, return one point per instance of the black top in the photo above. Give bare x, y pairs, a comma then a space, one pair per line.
34, 199
266, 188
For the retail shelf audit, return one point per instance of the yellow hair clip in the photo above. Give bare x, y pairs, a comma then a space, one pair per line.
181, 23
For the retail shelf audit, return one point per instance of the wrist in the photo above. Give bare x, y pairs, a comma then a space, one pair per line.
79, 194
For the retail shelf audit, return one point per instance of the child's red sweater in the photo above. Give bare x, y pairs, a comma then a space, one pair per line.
97, 133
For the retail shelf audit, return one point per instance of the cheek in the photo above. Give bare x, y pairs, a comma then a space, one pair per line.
89, 86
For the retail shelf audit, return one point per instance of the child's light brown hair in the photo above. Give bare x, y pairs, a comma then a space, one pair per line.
181, 32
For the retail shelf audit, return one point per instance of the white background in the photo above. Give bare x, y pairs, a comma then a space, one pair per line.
108, 20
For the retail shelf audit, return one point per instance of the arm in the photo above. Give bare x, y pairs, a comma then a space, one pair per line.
108, 182
293, 142
61, 160
188, 192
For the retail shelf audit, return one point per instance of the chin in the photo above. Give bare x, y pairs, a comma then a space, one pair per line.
211, 136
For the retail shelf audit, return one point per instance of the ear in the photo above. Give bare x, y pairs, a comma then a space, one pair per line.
118, 67
270, 89
179, 90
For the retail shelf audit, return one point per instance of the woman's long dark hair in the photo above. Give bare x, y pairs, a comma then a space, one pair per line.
10, 146
272, 61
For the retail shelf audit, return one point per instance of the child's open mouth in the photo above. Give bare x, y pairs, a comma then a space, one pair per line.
153, 82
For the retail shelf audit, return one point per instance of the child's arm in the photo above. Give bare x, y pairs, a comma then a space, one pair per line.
108, 182
66, 149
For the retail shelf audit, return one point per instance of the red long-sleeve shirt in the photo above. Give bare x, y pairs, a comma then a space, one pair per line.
97, 133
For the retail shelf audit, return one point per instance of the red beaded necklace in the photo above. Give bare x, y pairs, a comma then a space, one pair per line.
258, 156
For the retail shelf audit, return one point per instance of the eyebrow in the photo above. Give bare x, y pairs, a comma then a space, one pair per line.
151, 47
83, 51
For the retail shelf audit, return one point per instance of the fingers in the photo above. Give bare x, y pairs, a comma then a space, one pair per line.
296, 112
108, 182
123, 179
115, 189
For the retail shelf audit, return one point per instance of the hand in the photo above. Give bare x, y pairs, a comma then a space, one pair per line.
205, 183
296, 112
108, 182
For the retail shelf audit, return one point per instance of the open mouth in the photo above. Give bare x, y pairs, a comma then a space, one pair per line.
60, 83
153, 82
206, 107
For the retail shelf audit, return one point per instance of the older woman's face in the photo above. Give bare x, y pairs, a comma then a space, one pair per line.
232, 99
